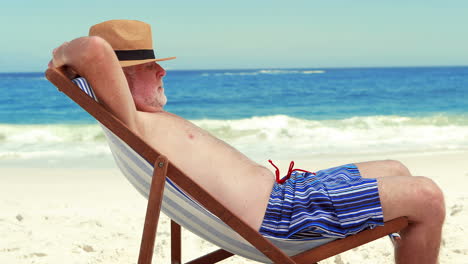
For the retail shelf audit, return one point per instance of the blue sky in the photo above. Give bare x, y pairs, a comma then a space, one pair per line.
251, 34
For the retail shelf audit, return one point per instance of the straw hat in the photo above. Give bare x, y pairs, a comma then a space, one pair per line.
130, 39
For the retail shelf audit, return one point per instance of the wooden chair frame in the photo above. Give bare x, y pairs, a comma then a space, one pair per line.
163, 168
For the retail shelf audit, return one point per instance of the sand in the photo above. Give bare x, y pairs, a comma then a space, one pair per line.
93, 215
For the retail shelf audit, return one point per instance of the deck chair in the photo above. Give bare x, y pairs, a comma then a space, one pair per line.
189, 205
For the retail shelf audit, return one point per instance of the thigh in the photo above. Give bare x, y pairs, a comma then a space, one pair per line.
382, 168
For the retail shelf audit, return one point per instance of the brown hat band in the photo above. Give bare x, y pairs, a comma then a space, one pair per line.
127, 55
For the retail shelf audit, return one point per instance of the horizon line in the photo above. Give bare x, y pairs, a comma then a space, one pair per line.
290, 68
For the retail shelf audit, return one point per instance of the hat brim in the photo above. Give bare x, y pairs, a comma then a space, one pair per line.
137, 62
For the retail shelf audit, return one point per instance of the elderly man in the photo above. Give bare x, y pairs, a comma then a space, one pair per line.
119, 62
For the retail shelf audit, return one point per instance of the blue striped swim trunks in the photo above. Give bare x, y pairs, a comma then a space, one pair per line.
335, 202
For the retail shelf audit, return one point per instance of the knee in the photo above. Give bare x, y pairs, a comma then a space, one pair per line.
398, 168
431, 199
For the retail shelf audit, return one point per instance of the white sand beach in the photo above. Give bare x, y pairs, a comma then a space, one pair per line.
93, 215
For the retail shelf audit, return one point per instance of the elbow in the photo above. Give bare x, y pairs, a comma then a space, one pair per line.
95, 49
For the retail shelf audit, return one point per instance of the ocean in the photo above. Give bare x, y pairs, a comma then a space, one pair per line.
265, 113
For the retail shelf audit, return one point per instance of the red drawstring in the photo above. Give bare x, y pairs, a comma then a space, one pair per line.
291, 170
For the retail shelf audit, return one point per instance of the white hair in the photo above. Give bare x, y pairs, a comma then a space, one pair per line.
130, 74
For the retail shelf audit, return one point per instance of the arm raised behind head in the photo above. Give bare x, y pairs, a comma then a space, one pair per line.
94, 59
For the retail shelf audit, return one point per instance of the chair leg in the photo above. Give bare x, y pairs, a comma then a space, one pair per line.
175, 243
176, 249
151, 224
152, 211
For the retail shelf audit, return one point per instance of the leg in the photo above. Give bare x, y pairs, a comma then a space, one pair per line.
382, 168
419, 199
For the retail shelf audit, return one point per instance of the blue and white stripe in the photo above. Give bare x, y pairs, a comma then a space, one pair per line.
187, 212
334, 203
84, 85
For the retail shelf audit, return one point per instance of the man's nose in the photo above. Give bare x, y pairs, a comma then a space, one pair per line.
160, 73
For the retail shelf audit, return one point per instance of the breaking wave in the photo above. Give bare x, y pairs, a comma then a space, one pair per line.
259, 72
272, 136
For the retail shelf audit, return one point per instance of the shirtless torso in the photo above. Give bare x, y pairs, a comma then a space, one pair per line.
240, 183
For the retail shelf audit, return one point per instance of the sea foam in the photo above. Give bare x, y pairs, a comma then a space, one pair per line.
259, 72
277, 136
283, 135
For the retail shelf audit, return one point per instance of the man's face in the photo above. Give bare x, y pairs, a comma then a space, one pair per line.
149, 84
